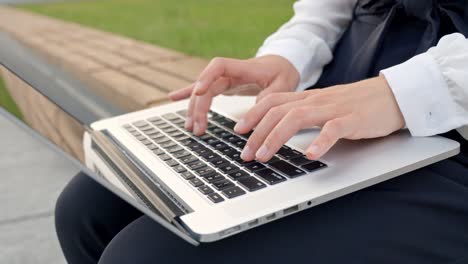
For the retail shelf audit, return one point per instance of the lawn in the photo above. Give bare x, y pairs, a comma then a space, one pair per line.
206, 28
7, 102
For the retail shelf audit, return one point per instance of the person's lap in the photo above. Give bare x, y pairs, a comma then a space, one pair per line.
420, 217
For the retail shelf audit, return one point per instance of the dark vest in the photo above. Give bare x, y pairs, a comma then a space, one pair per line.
384, 33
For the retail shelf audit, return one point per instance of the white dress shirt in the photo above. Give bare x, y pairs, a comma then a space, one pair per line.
431, 89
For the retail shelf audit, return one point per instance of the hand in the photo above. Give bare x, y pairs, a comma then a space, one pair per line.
258, 76
365, 109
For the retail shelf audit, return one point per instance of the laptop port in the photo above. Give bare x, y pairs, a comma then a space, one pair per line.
271, 217
291, 209
253, 223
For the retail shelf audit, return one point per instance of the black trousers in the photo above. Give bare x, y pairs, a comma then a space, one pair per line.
420, 217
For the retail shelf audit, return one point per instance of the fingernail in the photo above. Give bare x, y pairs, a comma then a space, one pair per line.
188, 122
262, 153
246, 153
240, 125
198, 86
314, 149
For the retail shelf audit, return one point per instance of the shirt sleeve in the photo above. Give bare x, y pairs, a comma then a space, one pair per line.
308, 39
431, 89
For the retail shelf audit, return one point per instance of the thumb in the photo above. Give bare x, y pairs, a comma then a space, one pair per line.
331, 132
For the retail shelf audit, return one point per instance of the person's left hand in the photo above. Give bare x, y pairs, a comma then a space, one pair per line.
365, 109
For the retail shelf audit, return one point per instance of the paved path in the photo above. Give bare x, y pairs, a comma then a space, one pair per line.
31, 178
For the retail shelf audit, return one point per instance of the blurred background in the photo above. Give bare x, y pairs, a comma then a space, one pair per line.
98, 58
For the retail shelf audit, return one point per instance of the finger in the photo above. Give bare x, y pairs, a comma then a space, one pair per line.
259, 110
276, 87
190, 110
181, 93
203, 104
298, 118
224, 67
331, 132
270, 120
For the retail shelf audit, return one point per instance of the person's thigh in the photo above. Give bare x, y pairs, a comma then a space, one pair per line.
421, 217
87, 217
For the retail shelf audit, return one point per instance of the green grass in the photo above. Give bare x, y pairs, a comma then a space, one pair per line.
206, 28
7, 102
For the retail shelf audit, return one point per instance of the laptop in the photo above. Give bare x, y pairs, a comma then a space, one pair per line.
199, 188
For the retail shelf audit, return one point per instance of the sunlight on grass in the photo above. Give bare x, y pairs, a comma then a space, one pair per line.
7, 102
206, 28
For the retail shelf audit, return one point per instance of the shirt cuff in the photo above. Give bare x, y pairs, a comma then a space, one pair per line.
422, 95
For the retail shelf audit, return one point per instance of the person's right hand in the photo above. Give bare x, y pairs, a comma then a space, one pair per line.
257, 76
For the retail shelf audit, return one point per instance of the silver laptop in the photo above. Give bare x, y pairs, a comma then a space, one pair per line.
200, 189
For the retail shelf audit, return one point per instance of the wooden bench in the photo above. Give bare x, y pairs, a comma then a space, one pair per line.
127, 72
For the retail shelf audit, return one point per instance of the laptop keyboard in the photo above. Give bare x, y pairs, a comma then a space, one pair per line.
211, 163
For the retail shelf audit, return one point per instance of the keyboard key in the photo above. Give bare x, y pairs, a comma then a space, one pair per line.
236, 175
222, 184
251, 183
246, 135
146, 142
175, 149
196, 165
298, 161
147, 128
227, 151
228, 123
273, 159
150, 131
179, 169
215, 198
205, 171
181, 154
194, 146
218, 162
233, 139
220, 146
214, 177
162, 140
140, 123
224, 134
187, 142
154, 119
140, 137
168, 144
216, 130
157, 136
270, 176
165, 157
152, 146
288, 153
240, 144
202, 151
228, 168
188, 159
209, 156
170, 116
254, 166
205, 189
314, 165
187, 175
159, 151
288, 169
172, 162
182, 113
196, 182
233, 192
